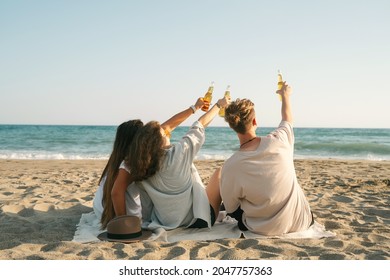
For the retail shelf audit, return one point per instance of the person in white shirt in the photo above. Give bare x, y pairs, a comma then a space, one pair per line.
258, 183
115, 196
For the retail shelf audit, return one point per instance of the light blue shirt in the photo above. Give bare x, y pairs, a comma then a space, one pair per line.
175, 196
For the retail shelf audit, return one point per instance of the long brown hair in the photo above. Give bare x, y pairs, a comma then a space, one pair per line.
124, 136
146, 151
239, 115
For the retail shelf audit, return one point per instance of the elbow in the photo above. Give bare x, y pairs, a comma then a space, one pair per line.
115, 193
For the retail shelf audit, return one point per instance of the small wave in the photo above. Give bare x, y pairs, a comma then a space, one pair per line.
54, 156
211, 157
372, 151
346, 147
351, 157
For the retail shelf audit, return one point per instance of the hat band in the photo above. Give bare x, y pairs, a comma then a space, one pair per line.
124, 236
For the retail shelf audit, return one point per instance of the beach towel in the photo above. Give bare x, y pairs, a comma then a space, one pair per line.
226, 227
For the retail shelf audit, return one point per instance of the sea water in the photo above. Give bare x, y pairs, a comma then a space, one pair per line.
95, 142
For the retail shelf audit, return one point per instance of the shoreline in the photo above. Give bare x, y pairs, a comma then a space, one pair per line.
41, 202
196, 160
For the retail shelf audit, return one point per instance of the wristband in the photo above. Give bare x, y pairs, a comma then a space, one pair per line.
193, 109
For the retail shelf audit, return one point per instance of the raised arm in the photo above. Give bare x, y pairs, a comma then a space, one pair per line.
206, 118
177, 119
285, 93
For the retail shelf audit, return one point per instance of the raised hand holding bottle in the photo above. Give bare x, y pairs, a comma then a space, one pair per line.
208, 97
222, 110
280, 83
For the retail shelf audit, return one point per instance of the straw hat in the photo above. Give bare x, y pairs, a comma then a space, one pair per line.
124, 229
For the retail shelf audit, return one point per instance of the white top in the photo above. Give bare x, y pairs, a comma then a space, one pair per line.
264, 184
175, 196
133, 203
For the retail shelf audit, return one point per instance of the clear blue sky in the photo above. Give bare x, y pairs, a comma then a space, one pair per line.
104, 62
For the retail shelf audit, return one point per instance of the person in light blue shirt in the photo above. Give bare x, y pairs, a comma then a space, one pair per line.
171, 190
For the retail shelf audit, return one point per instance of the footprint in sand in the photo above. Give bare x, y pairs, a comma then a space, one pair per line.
332, 225
7, 193
341, 198
332, 256
68, 182
334, 244
377, 238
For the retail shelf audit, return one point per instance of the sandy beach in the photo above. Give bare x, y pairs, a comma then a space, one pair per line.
41, 203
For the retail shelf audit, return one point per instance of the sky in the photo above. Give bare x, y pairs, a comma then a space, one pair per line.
105, 62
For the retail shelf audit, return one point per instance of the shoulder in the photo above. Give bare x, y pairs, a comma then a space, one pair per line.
124, 166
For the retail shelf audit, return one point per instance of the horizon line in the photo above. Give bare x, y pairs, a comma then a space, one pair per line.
115, 125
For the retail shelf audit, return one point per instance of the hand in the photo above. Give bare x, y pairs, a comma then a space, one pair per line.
200, 103
285, 91
224, 102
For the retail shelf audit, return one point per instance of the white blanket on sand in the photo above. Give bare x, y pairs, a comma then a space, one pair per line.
89, 228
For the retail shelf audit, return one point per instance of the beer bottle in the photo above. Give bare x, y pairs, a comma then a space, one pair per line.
222, 110
280, 83
208, 97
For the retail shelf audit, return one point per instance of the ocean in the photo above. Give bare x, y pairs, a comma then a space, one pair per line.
95, 142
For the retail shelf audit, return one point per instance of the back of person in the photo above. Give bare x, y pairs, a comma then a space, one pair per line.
171, 190
263, 183
174, 189
132, 199
115, 196
259, 186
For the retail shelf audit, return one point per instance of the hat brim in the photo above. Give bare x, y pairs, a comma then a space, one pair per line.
144, 236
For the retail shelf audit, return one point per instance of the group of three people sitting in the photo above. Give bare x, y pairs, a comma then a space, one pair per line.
149, 177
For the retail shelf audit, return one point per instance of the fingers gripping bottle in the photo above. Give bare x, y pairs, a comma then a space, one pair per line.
208, 97
222, 110
280, 83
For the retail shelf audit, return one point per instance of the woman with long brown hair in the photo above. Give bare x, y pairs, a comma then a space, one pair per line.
114, 196
172, 192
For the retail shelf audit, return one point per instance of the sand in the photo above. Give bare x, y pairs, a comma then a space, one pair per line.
41, 203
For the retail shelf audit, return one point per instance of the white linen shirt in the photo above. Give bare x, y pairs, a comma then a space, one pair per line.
175, 196
264, 184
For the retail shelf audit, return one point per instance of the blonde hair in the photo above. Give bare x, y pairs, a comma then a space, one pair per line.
239, 115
